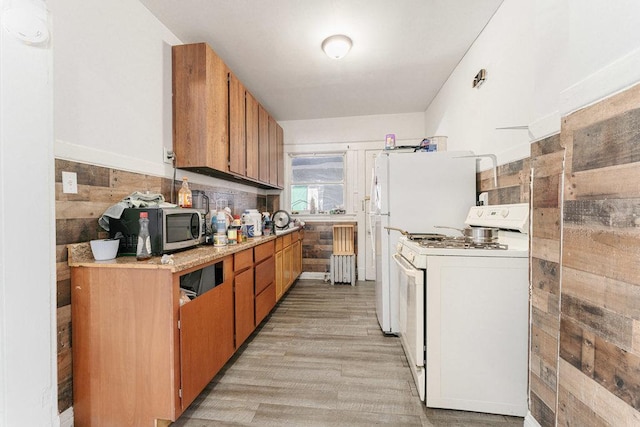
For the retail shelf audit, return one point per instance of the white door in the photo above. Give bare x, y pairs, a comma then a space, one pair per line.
370, 261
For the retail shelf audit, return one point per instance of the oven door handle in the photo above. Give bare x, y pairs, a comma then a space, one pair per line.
408, 269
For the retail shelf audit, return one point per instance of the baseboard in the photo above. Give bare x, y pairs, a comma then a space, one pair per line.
529, 421
312, 275
66, 418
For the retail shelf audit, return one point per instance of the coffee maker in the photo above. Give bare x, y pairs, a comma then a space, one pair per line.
200, 201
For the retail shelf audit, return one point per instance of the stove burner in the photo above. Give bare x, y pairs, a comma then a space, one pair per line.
430, 237
460, 243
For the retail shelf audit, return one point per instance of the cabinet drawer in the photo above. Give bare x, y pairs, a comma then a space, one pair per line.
265, 274
278, 244
242, 260
286, 240
265, 302
264, 251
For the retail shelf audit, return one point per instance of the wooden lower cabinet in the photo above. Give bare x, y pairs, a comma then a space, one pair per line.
297, 258
265, 280
206, 336
265, 302
287, 266
243, 295
288, 261
139, 357
244, 305
126, 365
279, 274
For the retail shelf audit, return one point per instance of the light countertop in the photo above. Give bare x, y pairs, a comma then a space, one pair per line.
80, 255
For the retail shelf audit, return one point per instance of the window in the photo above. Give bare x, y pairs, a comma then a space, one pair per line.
317, 182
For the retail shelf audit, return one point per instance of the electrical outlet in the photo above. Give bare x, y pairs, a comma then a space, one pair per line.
70, 182
168, 155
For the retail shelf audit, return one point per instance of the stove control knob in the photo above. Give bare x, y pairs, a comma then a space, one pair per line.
504, 213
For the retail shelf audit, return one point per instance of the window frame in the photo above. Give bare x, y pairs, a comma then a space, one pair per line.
290, 184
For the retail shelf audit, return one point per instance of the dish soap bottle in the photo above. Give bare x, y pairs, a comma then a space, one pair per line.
143, 251
184, 195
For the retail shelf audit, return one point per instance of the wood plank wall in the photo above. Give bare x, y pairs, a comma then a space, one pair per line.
76, 221
547, 157
513, 183
599, 364
318, 245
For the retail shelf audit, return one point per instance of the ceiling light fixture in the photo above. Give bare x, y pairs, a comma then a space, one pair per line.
336, 46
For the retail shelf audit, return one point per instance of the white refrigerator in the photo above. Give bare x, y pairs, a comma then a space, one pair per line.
414, 191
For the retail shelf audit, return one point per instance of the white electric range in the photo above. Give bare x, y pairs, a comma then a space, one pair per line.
464, 314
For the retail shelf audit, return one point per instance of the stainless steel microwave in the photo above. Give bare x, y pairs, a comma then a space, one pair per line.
170, 229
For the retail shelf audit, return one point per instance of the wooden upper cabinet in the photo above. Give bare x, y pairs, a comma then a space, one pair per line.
219, 128
252, 136
273, 152
200, 109
263, 144
280, 155
237, 134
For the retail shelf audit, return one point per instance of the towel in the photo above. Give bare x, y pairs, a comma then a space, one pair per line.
133, 200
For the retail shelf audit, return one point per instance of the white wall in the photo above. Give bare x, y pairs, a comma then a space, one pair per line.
28, 385
112, 77
544, 59
469, 116
603, 50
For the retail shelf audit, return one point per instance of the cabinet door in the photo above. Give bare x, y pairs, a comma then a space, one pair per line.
244, 304
265, 274
124, 324
279, 275
252, 136
273, 152
200, 108
297, 259
237, 138
265, 302
263, 144
280, 154
206, 335
288, 266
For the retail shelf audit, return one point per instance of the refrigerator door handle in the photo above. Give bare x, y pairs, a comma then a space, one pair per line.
372, 234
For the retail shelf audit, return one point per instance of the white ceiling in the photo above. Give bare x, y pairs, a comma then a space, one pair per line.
403, 50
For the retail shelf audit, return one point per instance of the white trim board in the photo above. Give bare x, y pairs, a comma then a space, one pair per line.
614, 78
529, 421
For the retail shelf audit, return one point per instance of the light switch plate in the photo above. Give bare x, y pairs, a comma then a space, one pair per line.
70, 182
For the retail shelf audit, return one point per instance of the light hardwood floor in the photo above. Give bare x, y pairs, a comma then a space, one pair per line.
320, 359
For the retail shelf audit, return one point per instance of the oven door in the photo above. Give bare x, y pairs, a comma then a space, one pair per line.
411, 298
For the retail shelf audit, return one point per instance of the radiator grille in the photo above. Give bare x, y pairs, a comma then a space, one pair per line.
343, 269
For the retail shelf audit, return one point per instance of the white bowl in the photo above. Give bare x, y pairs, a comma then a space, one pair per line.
104, 249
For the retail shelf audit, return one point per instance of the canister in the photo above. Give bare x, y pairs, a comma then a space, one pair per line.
219, 239
390, 141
